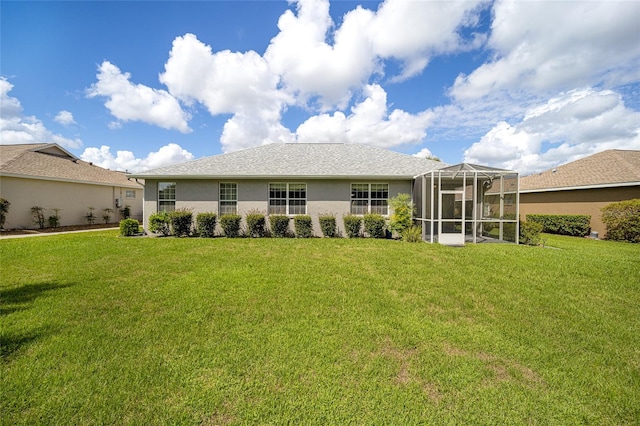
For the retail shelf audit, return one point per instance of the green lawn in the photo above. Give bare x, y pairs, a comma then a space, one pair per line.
98, 329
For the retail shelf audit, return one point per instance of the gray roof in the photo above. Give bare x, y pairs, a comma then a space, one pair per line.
300, 160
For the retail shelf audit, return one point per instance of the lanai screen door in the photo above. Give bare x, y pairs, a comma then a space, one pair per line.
451, 224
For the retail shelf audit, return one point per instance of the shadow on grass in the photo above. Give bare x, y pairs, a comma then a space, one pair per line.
18, 298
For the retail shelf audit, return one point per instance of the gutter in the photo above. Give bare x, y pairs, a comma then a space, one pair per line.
54, 179
574, 188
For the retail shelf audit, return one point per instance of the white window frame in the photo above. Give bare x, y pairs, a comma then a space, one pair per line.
233, 200
358, 210
130, 193
166, 200
289, 209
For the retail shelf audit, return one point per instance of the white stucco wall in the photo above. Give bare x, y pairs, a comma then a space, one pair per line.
73, 199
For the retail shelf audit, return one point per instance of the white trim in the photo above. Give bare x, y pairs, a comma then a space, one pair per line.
220, 200
272, 177
369, 199
54, 179
573, 188
287, 199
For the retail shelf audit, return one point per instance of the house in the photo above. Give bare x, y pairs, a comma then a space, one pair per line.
583, 186
317, 178
49, 176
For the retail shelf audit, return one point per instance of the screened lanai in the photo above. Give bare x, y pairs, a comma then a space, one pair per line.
467, 203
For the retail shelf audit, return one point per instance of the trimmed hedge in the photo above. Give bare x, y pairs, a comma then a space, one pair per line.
328, 225
129, 227
352, 225
181, 222
622, 220
575, 225
374, 225
303, 226
530, 233
256, 224
206, 224
279, 225
230, 224
159, 223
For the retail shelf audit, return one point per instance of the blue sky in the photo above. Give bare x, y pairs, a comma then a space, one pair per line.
138, 85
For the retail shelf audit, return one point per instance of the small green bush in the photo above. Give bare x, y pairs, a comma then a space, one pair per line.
402, 215
530, 233
38, 216
279, 224
352, 225
412, 234
374, 225
125, 212
256, 224
206, 224
181, 222
230, 223
4, 209
159, 223
54, 219
328, 225
622, 220
90, 216
564, 224
129, 227
303, 226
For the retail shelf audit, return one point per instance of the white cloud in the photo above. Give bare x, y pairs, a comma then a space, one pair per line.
15, 128
369, 123
424, 153
542, 46
572, 125
65, 118
136, 102
126, 160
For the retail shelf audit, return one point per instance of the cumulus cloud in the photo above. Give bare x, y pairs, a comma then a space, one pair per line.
16, 128
369, 123
557, 46
567, 127
136, 102
65, 118
126, 160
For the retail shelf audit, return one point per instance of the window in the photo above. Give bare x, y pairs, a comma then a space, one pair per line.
166, 196
130, 193
369, 198
287, 198
228, 198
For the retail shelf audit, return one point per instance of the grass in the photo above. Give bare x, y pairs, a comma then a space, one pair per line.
101, 329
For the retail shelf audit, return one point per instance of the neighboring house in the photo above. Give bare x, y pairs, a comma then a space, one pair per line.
583, 186
299, 178
48, 176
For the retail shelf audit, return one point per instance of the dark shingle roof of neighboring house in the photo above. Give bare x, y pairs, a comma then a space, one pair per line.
52, 162
606, 169
300, 160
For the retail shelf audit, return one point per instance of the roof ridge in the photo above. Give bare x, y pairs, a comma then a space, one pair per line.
633, 170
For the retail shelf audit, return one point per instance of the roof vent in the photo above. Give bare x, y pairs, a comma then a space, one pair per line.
554, 170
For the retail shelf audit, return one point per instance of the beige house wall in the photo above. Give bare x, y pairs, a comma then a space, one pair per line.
323, 196
582, 201
73, 199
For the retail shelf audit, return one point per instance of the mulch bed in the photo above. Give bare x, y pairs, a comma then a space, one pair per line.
58, 229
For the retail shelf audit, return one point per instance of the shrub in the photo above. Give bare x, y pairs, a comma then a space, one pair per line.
256, 224
530, 233
181, 222
54, 219
4, 209
125, 212
328, 225
352, 225
374, 225
230, 223
412, 234
159, 223
106, 215
402, 216
38, 216
206, 224
279, 225
622, 220
303, 226
91, 218
565, 224
129, 227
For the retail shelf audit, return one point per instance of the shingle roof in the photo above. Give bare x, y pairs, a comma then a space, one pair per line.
608, 168
52, 162
301, 160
